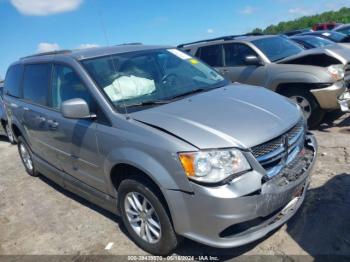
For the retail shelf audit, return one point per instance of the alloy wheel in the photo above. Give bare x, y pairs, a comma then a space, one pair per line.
304, 104
142, 217
26, 157
9, 134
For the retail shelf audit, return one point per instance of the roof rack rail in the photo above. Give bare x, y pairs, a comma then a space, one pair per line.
48, 53
223, 38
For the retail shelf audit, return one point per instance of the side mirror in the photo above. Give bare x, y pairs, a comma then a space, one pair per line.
253, 60
76, 108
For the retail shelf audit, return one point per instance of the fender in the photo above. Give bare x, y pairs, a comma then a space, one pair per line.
150, 166
294, 77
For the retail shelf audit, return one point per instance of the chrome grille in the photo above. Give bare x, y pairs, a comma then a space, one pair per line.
277, 143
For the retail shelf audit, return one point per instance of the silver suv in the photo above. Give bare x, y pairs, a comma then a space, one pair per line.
314, 79
153, 134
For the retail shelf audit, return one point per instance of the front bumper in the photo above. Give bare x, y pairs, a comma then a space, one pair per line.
328, 98
218, 217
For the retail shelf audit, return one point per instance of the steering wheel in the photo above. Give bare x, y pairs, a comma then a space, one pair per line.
169, 79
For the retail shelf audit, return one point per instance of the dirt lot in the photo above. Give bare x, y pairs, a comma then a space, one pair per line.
37, 217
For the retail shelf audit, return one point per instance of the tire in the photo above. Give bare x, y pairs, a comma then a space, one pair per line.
167, 240
9, 134
312, 110
26, 156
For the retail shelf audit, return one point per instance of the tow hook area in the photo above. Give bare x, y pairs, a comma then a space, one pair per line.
344, 101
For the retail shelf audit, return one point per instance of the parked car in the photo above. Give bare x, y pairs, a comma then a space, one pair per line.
330, 35
155, 135
344, 29
310, 42
298, 31
325, 26
338, 51
4, 127
312, 78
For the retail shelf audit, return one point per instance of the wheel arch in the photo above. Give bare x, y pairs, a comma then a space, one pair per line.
123, 171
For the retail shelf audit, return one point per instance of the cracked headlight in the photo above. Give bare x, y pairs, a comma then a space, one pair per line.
213, 166
337, 72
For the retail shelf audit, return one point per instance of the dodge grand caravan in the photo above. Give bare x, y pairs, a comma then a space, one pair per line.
154, 135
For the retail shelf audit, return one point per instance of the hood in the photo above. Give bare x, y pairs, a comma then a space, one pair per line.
314, 51
339, 51
232, 116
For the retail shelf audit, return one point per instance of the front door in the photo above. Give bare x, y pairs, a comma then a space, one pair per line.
74, 139
237, 70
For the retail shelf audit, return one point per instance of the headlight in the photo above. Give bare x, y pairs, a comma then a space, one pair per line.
213, 166
336, 71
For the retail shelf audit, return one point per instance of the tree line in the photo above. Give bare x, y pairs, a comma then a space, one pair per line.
341, 16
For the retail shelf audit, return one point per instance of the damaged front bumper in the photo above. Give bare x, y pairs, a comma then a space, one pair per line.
344, 101
221, 217
333, 97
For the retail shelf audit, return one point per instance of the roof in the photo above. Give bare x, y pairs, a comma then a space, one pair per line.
80, 54
247, 38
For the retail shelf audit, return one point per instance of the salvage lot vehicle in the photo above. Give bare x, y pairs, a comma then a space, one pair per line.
344, 29
338, 51
325, 26
181, 151
312, 78
4, 127
331, 35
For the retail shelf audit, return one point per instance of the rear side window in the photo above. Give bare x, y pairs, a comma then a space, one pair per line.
235, 54
36, 82
13, 81
212, 55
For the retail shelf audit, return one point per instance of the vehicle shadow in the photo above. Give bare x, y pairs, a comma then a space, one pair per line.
322, 226
330, 121
79, 199
3, 138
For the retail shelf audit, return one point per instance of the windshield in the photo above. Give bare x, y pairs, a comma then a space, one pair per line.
277, 48
151, 77
317, 41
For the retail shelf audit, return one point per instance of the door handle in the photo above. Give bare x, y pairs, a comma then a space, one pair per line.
53, 124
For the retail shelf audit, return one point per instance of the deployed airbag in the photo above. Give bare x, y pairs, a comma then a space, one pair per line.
128, 87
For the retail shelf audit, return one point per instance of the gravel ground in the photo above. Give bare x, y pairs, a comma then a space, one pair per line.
39, 218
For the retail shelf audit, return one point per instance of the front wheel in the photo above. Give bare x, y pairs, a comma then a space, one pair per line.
311, 109
146, 218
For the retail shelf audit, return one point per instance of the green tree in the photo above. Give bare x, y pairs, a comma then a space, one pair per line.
340, 16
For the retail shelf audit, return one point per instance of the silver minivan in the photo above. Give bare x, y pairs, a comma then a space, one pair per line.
156, 136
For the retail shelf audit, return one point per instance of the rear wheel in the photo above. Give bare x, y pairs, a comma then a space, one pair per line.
311, 109
26, 157
146, 218
9, 134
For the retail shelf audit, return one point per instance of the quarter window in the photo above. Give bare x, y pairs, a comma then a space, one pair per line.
35, 83
235, 54
212, 55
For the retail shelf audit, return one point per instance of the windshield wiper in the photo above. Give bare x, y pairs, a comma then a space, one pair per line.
192, 92
149, 103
